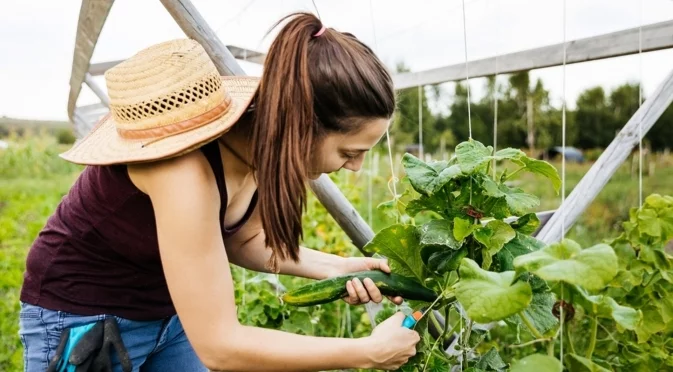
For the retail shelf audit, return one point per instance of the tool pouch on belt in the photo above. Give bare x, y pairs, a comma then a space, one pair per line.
87, 348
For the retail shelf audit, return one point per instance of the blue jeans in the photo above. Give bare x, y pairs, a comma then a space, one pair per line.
152, 346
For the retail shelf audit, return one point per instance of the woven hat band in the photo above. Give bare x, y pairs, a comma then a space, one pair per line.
158, 133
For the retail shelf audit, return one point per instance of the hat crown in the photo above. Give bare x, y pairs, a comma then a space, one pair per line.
164, 84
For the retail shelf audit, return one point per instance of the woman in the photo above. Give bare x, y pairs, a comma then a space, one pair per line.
190, 172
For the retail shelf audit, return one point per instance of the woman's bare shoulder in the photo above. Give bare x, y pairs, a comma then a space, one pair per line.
188, 172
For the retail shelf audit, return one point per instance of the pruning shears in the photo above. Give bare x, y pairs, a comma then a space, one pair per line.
411, 320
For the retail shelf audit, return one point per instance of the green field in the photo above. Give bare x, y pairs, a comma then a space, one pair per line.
33, 180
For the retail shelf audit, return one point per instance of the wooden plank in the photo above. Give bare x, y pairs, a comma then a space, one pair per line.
608, 163
85, 117
655, 36
96, 69
343, 212
194, 26
92, 17
97, 90
247, 54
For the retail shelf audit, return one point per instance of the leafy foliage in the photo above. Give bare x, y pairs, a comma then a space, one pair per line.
467, 251
490, 270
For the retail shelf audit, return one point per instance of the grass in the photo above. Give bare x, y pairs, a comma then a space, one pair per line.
33, 180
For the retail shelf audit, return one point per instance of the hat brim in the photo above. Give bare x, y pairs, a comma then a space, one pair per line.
104, 146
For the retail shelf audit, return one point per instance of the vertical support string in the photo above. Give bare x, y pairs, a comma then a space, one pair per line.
495, 93
563, 170
467, 73
393, 178
461, 339
420, 121
640, 103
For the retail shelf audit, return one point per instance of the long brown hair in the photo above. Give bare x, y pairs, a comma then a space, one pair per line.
311, 86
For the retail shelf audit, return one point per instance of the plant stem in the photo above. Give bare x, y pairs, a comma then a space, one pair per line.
533, 342
466, 342
530, 326
550, 348
515, 172
592, 341
447, 314
434, 320
441, 337
570, 340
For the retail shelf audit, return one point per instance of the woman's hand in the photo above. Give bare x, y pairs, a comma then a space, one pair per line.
391, 345
361, 292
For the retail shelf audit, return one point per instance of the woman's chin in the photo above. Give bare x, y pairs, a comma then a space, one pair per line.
314, 175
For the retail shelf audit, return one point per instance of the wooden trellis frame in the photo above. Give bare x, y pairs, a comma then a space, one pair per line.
658, 36
93, 15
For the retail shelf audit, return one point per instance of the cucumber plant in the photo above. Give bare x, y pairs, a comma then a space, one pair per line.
489, 271
604, 306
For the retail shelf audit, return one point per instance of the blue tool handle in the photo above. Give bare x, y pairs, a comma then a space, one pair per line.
409, 322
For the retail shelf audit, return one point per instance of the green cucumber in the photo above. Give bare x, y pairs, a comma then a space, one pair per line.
332, 289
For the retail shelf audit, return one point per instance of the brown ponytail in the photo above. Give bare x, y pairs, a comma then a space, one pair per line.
310, 86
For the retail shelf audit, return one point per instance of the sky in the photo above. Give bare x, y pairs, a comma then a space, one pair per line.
37, 39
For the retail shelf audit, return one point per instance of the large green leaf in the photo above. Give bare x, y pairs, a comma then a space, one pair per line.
444, 177
541, 167
537, 363
400, 244
508, 153
462, 228
441, 260
591, 268
517, 200
539, 313
472, 154
433, 203
419, 173
439, 232
491, 361
653, 322
577, 363
520, 245
489, 296
601, 306
425, 178
527, 223
494, 235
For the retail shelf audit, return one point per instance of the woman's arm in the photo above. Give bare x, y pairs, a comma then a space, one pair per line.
195, 264
247, 248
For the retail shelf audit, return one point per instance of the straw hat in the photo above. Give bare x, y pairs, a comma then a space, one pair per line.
166, 100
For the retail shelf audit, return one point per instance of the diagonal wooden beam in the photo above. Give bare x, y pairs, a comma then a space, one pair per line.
194, 26
608, 163
92, 16
654, 37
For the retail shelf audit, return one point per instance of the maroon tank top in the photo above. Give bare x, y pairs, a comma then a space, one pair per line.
98, 253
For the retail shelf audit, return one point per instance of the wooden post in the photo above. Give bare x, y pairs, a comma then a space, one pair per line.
609, 161
194, 26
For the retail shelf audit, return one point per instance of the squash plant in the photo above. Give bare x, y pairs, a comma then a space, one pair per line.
488, 270
644, 280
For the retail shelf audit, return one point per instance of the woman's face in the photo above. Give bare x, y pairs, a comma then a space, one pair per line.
346, 150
